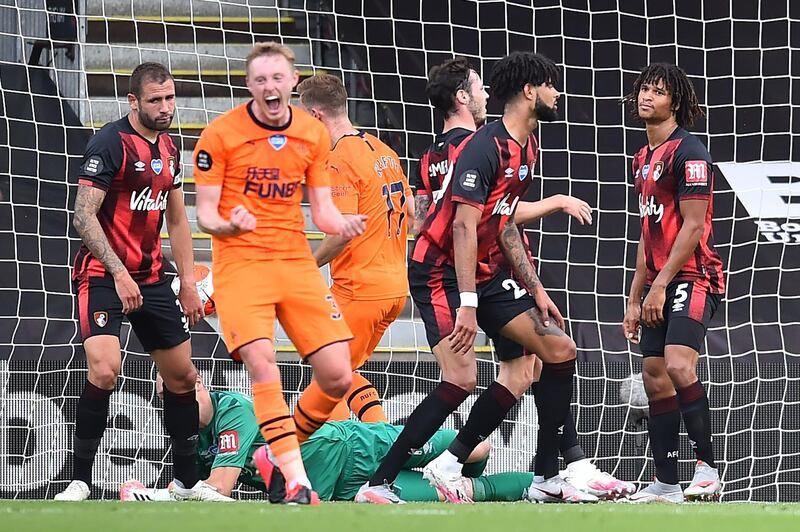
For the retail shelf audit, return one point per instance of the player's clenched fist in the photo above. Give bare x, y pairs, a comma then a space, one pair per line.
242, 220
353, 225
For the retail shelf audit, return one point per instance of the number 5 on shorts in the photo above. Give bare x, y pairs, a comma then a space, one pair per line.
680, 296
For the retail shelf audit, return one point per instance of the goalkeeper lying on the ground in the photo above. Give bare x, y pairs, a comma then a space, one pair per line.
339, 458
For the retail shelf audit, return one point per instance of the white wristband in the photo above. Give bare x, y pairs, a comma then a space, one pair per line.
469, 299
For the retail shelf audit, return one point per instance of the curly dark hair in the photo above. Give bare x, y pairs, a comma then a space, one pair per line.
517, 69
444, 81
684, 98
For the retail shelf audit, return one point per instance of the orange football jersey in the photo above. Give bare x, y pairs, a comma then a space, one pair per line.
366, 178
262, 168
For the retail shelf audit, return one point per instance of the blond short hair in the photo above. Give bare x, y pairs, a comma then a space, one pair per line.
325, 92
269, 48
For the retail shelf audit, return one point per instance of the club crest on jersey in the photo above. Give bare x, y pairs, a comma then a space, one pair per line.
523, 172
101, 318
658, 169
157, 165
277, 141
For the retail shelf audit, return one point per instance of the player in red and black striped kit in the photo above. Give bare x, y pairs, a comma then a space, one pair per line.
456, 90
679, 279
470, 254
129, 180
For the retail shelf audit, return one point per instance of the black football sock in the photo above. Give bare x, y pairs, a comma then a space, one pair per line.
420, 426
91, 417
553, 398
697, 419
569, 446
181, 420
486, 415
663, 426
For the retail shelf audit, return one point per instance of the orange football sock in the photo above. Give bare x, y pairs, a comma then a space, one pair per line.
341, 412
313, 409
277, 427
364, 401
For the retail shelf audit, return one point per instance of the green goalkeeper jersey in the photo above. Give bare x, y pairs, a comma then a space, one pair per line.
339, 457
230, 438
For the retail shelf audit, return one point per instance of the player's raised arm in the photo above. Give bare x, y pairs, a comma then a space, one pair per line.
327, 217
210, 161
530, 211
209, 219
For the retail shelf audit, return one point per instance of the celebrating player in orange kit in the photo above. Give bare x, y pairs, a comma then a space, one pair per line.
369, 272
249, 165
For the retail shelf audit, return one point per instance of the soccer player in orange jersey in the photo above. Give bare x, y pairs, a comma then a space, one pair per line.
370, 280
250, 165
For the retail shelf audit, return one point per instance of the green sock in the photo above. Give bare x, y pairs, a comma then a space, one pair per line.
410, 486
474, 469
507, 487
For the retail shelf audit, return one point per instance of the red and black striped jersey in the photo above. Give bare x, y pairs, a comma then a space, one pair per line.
137, 176
679, 169
491, 173
435, 163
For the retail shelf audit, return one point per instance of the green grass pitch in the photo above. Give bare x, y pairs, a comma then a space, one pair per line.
18, 516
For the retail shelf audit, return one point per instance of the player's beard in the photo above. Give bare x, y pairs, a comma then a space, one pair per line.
153, 124
544, 113
478, 114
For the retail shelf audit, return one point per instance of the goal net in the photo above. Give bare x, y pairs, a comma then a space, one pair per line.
64, 67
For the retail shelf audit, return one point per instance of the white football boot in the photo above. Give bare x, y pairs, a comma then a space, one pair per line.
556, 489
444, 474
76, 491
657, 492
199, 492
382, 494
586, 476
705, 485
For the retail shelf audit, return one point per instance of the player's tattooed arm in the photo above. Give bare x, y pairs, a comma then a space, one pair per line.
421, 204
511, 244
87, 205
513, 248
